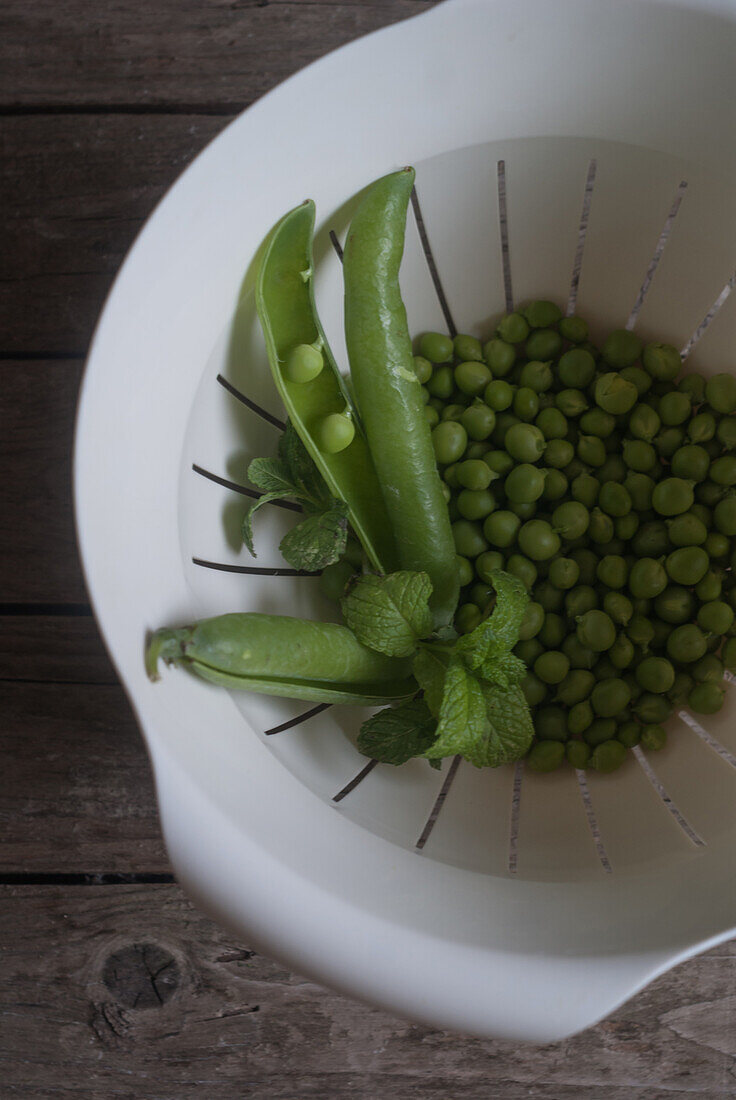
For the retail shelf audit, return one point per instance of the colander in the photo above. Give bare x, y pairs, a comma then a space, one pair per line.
583, 151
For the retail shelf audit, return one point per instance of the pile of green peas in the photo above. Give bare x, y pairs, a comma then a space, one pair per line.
605, 481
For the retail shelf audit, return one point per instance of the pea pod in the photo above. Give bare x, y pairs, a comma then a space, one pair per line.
388, 391
278, 655
287, 312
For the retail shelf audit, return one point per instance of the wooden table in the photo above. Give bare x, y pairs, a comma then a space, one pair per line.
112, 985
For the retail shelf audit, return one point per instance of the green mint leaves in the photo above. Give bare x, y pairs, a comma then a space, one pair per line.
320, 539
472, 703
390, 614
396, 734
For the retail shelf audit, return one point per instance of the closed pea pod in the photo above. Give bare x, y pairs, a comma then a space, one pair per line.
279, 655
387, 391
294, 342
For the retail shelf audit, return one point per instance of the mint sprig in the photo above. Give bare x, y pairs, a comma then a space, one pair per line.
389, 614
321, 538
471, 697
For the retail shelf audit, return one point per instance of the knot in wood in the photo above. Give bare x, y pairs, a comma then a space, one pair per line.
142, 975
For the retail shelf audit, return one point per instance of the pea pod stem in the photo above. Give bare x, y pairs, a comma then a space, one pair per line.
287, 311
388, 392
279, 655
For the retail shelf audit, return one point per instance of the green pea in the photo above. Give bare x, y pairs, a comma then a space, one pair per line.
653, 737
597, 422
674, 408
545, 756
690, 462
553, 631
555, 485
501, 528
538, 541
513, 328
621, 349
499, 356
702, 427
535, 692
726, 433
482, 596
334, 433
471, 378
432, 416
687, 565
542, 314
694, 386
707, 670
629, 733
498, 395
672, 496
576, 368
477, 449
487, 563
613, 469
686, 644
599, 731
478, 421
551, 598
464, 570
651, 540
577, 654
662, 361
442, 383
618, 607
467, 347
523, 568
543, 344
716, 545
571, 402
304, 363
498, 461
720, 392
436, 347
334, 578
681, 688
523, 509
452, 411
552, 423
640, 630
687, 530
706, 698
655, 674
644, 422
537, 374
571, 519
614, 499
524, 442
578, 754
473, 473
621, 653
576, 687
585, 489
564, 572
528, 650
596, 630
469, 539
591, 450
467, 618
675, 605
709, 494
647, 578
626, 526
724, 516
609, 697
475, 504
574, 329
639, 377
612, 571
558, 453
710, 587
524, 484
652, 708
728, 655
723, 470
715, 617
449, 440
550, 724
600, 528
422, 369
640, 488
639, 455
526, 403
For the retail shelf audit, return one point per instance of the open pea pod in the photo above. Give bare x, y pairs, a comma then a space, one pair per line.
288, 315
279, 655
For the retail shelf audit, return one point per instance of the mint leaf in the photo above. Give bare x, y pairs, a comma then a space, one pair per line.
463, 724
429, 668
247, 527
389, 614
503, 671
396, 734
486, 725
511, 728
271, 475
499, 633
317, 541
301, 468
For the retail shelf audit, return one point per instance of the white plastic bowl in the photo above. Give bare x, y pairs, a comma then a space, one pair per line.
533, 930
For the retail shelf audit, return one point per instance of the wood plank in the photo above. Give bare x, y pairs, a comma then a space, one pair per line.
53, 648
76, 792
38, 552
130, 992
74, 191
205, 52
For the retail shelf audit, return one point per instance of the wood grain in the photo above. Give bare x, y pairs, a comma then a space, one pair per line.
76, 792
38, 552
74, 191
202, 53
128, 992
54, 649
